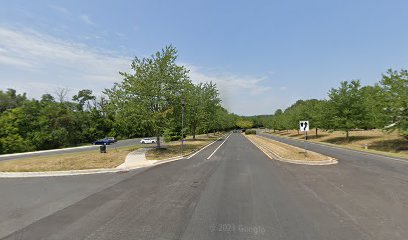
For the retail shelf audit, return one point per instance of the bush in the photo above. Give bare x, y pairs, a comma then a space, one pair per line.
250, 131
171, 135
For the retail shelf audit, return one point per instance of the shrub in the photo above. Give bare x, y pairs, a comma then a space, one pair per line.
250, 131
171, 135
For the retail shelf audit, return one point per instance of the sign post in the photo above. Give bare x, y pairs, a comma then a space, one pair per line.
304, 127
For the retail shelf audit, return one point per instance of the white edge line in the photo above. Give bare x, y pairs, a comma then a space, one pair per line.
218, 147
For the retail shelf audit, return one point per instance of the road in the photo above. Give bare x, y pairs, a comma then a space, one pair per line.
237, 193
120, 143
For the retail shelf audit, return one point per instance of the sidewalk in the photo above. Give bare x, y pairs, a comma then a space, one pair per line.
136, 159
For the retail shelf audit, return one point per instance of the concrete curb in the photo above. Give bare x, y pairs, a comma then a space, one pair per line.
277, 157
57, 173
342, 148
152, 163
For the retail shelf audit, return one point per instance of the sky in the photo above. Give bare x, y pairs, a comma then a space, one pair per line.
263, 55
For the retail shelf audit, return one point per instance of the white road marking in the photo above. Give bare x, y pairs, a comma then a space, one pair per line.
204, 148
218, 147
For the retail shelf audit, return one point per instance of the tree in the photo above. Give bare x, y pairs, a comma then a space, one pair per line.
47, 98
375, 104
244, 124
149, 93
395, 87
210, 101
10, 99
195, 108
84, 96
347, 108
61, 94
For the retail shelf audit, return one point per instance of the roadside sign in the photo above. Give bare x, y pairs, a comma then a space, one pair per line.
304, 126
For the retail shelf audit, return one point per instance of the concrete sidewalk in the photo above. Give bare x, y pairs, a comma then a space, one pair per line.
136, 159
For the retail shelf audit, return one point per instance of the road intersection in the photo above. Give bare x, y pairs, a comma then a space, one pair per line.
230, 190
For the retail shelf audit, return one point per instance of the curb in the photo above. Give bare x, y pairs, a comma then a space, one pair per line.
101, 170
379, 154
268, 153
58, 173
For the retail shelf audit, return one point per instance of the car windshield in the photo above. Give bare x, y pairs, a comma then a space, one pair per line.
266, 120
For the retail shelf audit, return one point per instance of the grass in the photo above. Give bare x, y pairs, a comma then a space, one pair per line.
173, 149
377, 141
69, 161
286, 151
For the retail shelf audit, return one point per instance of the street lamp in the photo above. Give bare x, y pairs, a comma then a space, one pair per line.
183, 102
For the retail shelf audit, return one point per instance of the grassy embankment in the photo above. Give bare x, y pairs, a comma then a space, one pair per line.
92, 159
285, 151
377, 141
173, 149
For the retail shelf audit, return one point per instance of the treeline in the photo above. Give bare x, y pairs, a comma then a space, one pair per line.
148, 102
350, 106
30, 124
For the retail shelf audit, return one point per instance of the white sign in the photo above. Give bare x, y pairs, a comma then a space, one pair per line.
304, 126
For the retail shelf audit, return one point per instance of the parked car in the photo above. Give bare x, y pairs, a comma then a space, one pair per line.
104, 141
147, 140
112, 139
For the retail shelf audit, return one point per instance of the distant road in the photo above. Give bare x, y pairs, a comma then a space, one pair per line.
230, 190
120, 143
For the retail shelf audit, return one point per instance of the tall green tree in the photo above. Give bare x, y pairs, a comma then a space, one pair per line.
195, 107
395, 87
210, 100
375, 106
347, 107
10, 99
84, 98
149, 92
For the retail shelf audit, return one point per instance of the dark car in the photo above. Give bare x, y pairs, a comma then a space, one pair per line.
104, 141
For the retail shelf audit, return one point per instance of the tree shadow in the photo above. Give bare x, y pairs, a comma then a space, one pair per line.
343, 140
311, 137
195, 140
296, 135
392, 145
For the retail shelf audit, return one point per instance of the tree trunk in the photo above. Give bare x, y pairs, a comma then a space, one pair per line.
194, 133
158, 139
316, 132
298, 131
347, 134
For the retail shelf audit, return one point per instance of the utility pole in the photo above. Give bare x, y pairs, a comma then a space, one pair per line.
183, 102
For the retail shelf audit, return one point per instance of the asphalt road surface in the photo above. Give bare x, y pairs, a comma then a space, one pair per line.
237, 193
120, 143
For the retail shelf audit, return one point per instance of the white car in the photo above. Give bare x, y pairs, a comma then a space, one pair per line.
147, 140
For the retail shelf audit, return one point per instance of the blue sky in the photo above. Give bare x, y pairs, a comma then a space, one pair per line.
263, 55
